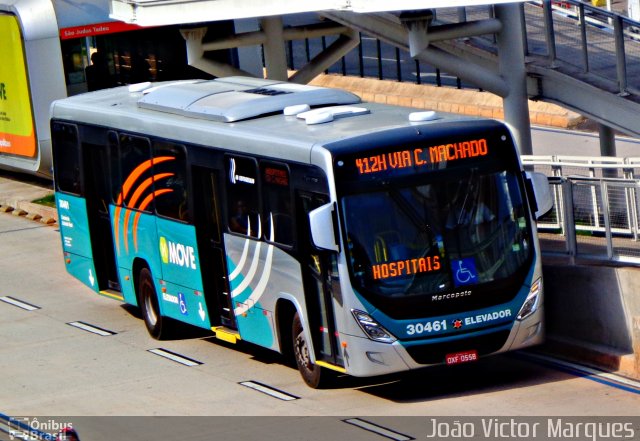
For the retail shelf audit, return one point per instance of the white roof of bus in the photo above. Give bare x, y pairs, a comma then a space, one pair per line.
262, 120
164, 12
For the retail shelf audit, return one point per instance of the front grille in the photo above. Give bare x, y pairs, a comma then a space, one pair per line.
435, 353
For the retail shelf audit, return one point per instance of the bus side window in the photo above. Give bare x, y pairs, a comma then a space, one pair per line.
243, 197
135, 173
66, 157
278, 208
170, 181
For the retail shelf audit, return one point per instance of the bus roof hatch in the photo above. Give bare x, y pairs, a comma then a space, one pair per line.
238, 98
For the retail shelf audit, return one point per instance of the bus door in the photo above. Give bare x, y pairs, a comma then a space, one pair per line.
321, 284
98, 196
211, 247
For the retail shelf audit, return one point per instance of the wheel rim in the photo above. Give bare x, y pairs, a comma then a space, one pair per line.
302, 353
150, 310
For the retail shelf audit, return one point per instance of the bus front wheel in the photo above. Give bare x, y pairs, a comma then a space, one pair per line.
148, 300
312, 374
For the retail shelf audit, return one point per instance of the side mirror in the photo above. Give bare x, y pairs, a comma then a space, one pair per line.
322, 221
541, 193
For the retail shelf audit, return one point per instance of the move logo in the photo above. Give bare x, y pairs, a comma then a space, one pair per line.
177, 254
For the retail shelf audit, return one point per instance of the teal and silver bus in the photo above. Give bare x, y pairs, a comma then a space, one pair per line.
353, 237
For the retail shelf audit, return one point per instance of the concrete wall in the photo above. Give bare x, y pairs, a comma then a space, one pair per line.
593, 315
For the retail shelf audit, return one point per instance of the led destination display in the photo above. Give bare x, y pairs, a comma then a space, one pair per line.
421, 157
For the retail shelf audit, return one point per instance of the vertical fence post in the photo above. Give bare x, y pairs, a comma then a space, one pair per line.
583, 37
324, 48
418, 77
361, 57
398, 65
525, 37
604, 190
568, 220
379, 54
462, 14
290, 54
307, 49
550, 34
621, 62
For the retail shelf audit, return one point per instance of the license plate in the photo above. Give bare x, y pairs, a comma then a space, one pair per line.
462, 357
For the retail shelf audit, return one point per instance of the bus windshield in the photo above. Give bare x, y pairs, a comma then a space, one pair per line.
438, 236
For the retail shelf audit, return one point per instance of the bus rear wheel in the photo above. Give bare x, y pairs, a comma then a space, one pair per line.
148, 301
312, 374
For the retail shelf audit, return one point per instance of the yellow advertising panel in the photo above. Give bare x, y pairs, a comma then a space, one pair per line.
17, 136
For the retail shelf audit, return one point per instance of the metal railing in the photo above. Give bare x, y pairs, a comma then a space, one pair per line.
596, 208
591, 39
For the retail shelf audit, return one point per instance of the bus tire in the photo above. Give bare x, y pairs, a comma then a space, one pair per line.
148, 300
312, 374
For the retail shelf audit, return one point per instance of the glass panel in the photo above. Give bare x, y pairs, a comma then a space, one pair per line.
244, 201
170, 181
66, 157
431, 238
135, 172
276, 193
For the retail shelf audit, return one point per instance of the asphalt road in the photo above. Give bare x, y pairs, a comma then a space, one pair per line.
48, 367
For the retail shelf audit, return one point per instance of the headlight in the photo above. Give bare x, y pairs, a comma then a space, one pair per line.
533, 300
370, 327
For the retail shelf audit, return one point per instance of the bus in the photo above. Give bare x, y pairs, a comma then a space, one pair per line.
353, 237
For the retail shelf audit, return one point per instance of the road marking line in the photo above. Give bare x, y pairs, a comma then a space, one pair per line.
175, 357
268, 390
90, 328
19, 303
374, 428
587, 372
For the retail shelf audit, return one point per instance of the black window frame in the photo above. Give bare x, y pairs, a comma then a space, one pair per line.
234, 200
188, 219
266, 201
120, 179
58, 161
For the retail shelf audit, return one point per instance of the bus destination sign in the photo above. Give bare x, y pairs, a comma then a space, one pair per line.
421, 157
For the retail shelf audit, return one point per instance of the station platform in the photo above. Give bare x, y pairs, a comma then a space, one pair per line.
447, 99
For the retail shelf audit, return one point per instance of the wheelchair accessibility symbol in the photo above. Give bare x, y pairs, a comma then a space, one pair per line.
182, 304
464, 271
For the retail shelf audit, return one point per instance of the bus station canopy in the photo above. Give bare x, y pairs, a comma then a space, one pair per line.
165, 12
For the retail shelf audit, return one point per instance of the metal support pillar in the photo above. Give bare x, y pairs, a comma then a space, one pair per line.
338, 49
512, 70
607, 147
607, 140
275, 58
195, 55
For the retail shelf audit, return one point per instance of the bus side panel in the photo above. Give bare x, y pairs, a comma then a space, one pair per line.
259, 274
183, 299
135, 237
76, 243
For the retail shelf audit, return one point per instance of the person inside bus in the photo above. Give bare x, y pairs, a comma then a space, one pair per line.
242, 220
